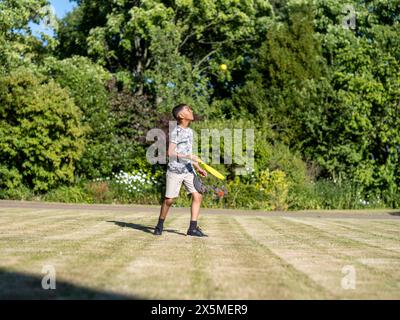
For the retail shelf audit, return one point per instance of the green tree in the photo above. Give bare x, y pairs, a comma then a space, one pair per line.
17, 43
172, 49
357, 135
40, 132
87, 84
289, 64
133, 117
331, 91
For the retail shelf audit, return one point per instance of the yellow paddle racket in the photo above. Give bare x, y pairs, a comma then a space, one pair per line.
211, 170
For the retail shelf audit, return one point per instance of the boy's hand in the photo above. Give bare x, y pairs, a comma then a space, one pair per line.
202, 172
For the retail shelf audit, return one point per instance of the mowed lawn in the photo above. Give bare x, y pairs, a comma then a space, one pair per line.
108, 254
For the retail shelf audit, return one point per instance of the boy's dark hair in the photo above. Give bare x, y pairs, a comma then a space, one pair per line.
177, 109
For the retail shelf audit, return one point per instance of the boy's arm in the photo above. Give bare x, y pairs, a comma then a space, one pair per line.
172, 153
199, 169
194, 158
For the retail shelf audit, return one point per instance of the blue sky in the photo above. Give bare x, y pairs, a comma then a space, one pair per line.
61, 7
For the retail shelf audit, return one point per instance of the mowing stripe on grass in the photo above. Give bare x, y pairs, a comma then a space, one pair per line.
318, 246
87, 262
36, 249
372, 228
381, 244
164, 270
202, 285
301, 250
298, 283
101, 266
244, 257
243, 268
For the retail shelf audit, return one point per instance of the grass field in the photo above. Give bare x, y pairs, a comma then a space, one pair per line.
112, 254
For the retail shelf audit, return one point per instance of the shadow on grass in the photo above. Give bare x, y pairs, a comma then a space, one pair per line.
143, 228
397, 213
16, 286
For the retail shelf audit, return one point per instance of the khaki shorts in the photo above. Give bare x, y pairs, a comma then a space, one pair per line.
174, 183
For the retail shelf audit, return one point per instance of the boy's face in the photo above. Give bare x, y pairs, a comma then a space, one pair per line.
186, 114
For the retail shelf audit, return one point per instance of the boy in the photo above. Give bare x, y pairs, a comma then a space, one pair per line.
180, 169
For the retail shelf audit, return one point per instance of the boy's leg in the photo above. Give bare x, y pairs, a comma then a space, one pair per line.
163, 214
195, 208
194, 230
196, 196
196, 203
167, 203
173, 184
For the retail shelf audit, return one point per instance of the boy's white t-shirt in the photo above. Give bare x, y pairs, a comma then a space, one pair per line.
183, 138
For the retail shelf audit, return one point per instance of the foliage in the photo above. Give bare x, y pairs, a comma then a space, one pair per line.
133, 116
136, 181
19, 192
172, 48
327, 194
17, 44
40, 132
68, 194
330, 92
275, 187
357, 120
137, 186
317, 81
86, 83
99, 191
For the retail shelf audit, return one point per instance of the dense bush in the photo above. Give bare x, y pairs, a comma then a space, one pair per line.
86, 82
68, 194
99, 191
40, 133
137, 186
133, 117
20, 192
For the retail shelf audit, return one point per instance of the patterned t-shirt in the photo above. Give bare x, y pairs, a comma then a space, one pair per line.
183, 138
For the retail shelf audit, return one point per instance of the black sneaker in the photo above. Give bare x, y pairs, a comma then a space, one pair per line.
196, 232
157, 231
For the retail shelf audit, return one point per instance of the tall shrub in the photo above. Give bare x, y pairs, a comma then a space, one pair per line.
40, 132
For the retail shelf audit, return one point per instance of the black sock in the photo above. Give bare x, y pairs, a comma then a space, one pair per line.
193, 225
160, 223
